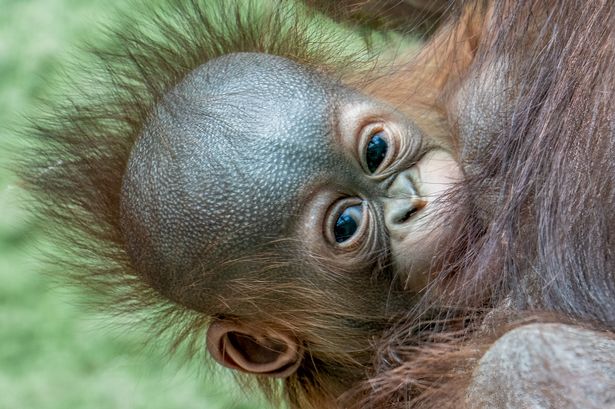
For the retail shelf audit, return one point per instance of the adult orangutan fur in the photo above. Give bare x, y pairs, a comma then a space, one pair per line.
534, 116
80, 169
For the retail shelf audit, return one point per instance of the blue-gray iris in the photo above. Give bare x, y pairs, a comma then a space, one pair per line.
376, 152
347, 223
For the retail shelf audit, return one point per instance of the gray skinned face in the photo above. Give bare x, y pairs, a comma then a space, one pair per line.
253, 149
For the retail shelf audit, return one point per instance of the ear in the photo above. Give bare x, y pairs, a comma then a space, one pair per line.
258, 352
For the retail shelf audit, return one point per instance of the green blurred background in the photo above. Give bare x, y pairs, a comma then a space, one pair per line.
53, 354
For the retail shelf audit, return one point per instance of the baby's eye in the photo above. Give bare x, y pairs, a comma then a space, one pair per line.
348, 223
376, 151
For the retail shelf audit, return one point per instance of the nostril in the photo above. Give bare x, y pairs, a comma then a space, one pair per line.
406, 216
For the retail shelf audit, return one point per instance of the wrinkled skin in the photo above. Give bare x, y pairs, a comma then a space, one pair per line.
512, 373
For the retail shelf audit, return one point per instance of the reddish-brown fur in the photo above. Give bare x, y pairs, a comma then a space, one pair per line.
534, 114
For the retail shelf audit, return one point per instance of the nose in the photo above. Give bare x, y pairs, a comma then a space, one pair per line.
402, 201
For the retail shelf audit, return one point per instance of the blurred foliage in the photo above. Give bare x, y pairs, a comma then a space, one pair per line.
53, 354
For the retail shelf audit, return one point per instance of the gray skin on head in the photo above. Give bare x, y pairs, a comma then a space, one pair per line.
222, 167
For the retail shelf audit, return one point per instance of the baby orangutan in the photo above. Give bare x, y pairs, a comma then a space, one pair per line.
234, 185
260, 192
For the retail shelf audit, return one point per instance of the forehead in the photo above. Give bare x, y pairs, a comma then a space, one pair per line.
247, 105
229, 153
263, 128
257, 75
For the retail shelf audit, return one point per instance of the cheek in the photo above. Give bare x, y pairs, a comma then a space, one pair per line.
415, 247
